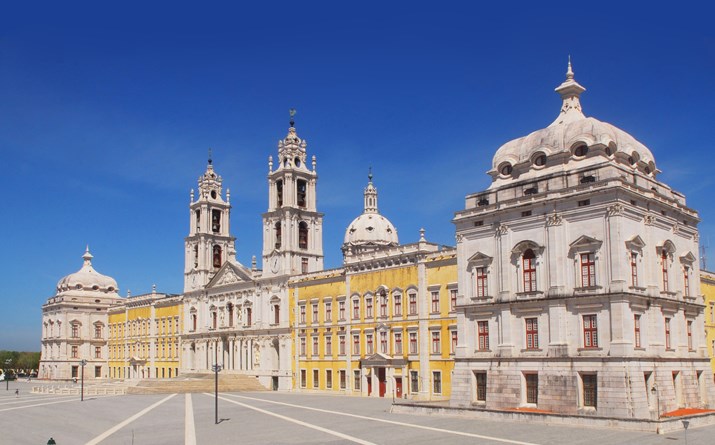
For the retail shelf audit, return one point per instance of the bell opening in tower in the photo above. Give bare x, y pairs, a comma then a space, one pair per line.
215, 221
303, 235
301, 193
278, 235
279, 192
217, 257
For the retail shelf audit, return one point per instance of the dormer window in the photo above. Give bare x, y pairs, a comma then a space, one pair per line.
540, 160
581, 150
506, 169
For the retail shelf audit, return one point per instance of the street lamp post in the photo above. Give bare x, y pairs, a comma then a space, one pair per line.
686, 424
8, 362
654, 391
83, 363
216, 369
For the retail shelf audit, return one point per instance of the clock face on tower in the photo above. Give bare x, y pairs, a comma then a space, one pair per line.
275, 263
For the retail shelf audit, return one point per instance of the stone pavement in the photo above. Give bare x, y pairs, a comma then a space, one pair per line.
274, 418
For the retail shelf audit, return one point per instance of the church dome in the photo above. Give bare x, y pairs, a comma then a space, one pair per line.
572, 135
370, 229
87, 279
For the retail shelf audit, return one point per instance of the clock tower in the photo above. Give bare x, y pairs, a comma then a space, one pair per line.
209, 243
292, 226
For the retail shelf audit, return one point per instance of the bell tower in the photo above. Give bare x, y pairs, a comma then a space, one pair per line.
209, 243
292, 227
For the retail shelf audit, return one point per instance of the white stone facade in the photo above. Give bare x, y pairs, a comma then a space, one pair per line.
578, 278
74, 325
239, 318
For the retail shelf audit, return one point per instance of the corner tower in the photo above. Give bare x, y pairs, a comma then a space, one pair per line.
292, 227
209, 242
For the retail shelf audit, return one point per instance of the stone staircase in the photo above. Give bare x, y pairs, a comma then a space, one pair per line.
197, 383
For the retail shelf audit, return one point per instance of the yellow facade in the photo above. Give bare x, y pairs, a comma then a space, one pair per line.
144, 334
377, 329
707, 287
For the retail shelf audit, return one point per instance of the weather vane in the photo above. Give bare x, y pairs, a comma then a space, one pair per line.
292, 115
210, 155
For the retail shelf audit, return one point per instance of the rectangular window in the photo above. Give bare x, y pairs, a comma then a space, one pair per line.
249, 316
356, 380
356, 309
689, 327
75, 331
398, 305
329, 378
483, 334
436, 382
413, 303
667, 333
343, 379
383, 305
98, 331
315, 344
341, 310
590, 331
435, 302
588, 269
75, 351
452, 300
637, 330
532, 388
529, 264
304, 261
435, 342
316, 378
454, 341
634, 269
356, 344
686, 281
75, 372
413, 342
414, 382
302, 346
328, 312
328, 345
481, 277
368, 308
369, 350
315, 313
481, 386
97, 372
276, 315
398, 343
383, 343
590, 390
97, 352
664, 269
341, 347
532, 333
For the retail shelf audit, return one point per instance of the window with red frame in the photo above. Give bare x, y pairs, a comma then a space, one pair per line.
302, 314
435, 302
413, 304
356, 309
529, 270
328, 312
383, 304
341, 310
435, 342
686, 281
481, 277
398, 343
413, 342
328, 345
664, 269
634, 269
667, 333
532, 333
637, 330
368, 308
398, 305
368, 341
454, 341
483, 334
383, 343
689, 326
588, 269
341, 339
356, 344
315, 313
590, 331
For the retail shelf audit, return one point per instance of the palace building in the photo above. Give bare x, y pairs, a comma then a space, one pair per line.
384, 324
578, 278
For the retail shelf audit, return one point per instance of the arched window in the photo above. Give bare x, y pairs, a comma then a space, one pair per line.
279, 234
303, 235
196, 256
215, 221
664, 268
193, 321
217, 256
529, 270
198, 220
279, 192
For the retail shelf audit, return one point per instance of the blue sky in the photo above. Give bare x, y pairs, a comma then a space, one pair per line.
107, 113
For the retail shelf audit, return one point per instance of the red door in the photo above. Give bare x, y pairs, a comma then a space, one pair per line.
381, 379
398, 387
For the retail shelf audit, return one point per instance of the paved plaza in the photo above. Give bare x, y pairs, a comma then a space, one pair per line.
272, 418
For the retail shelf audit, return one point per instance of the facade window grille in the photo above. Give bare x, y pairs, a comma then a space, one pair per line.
532, 333
637, 330
590, 390
532, 388
481, 386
